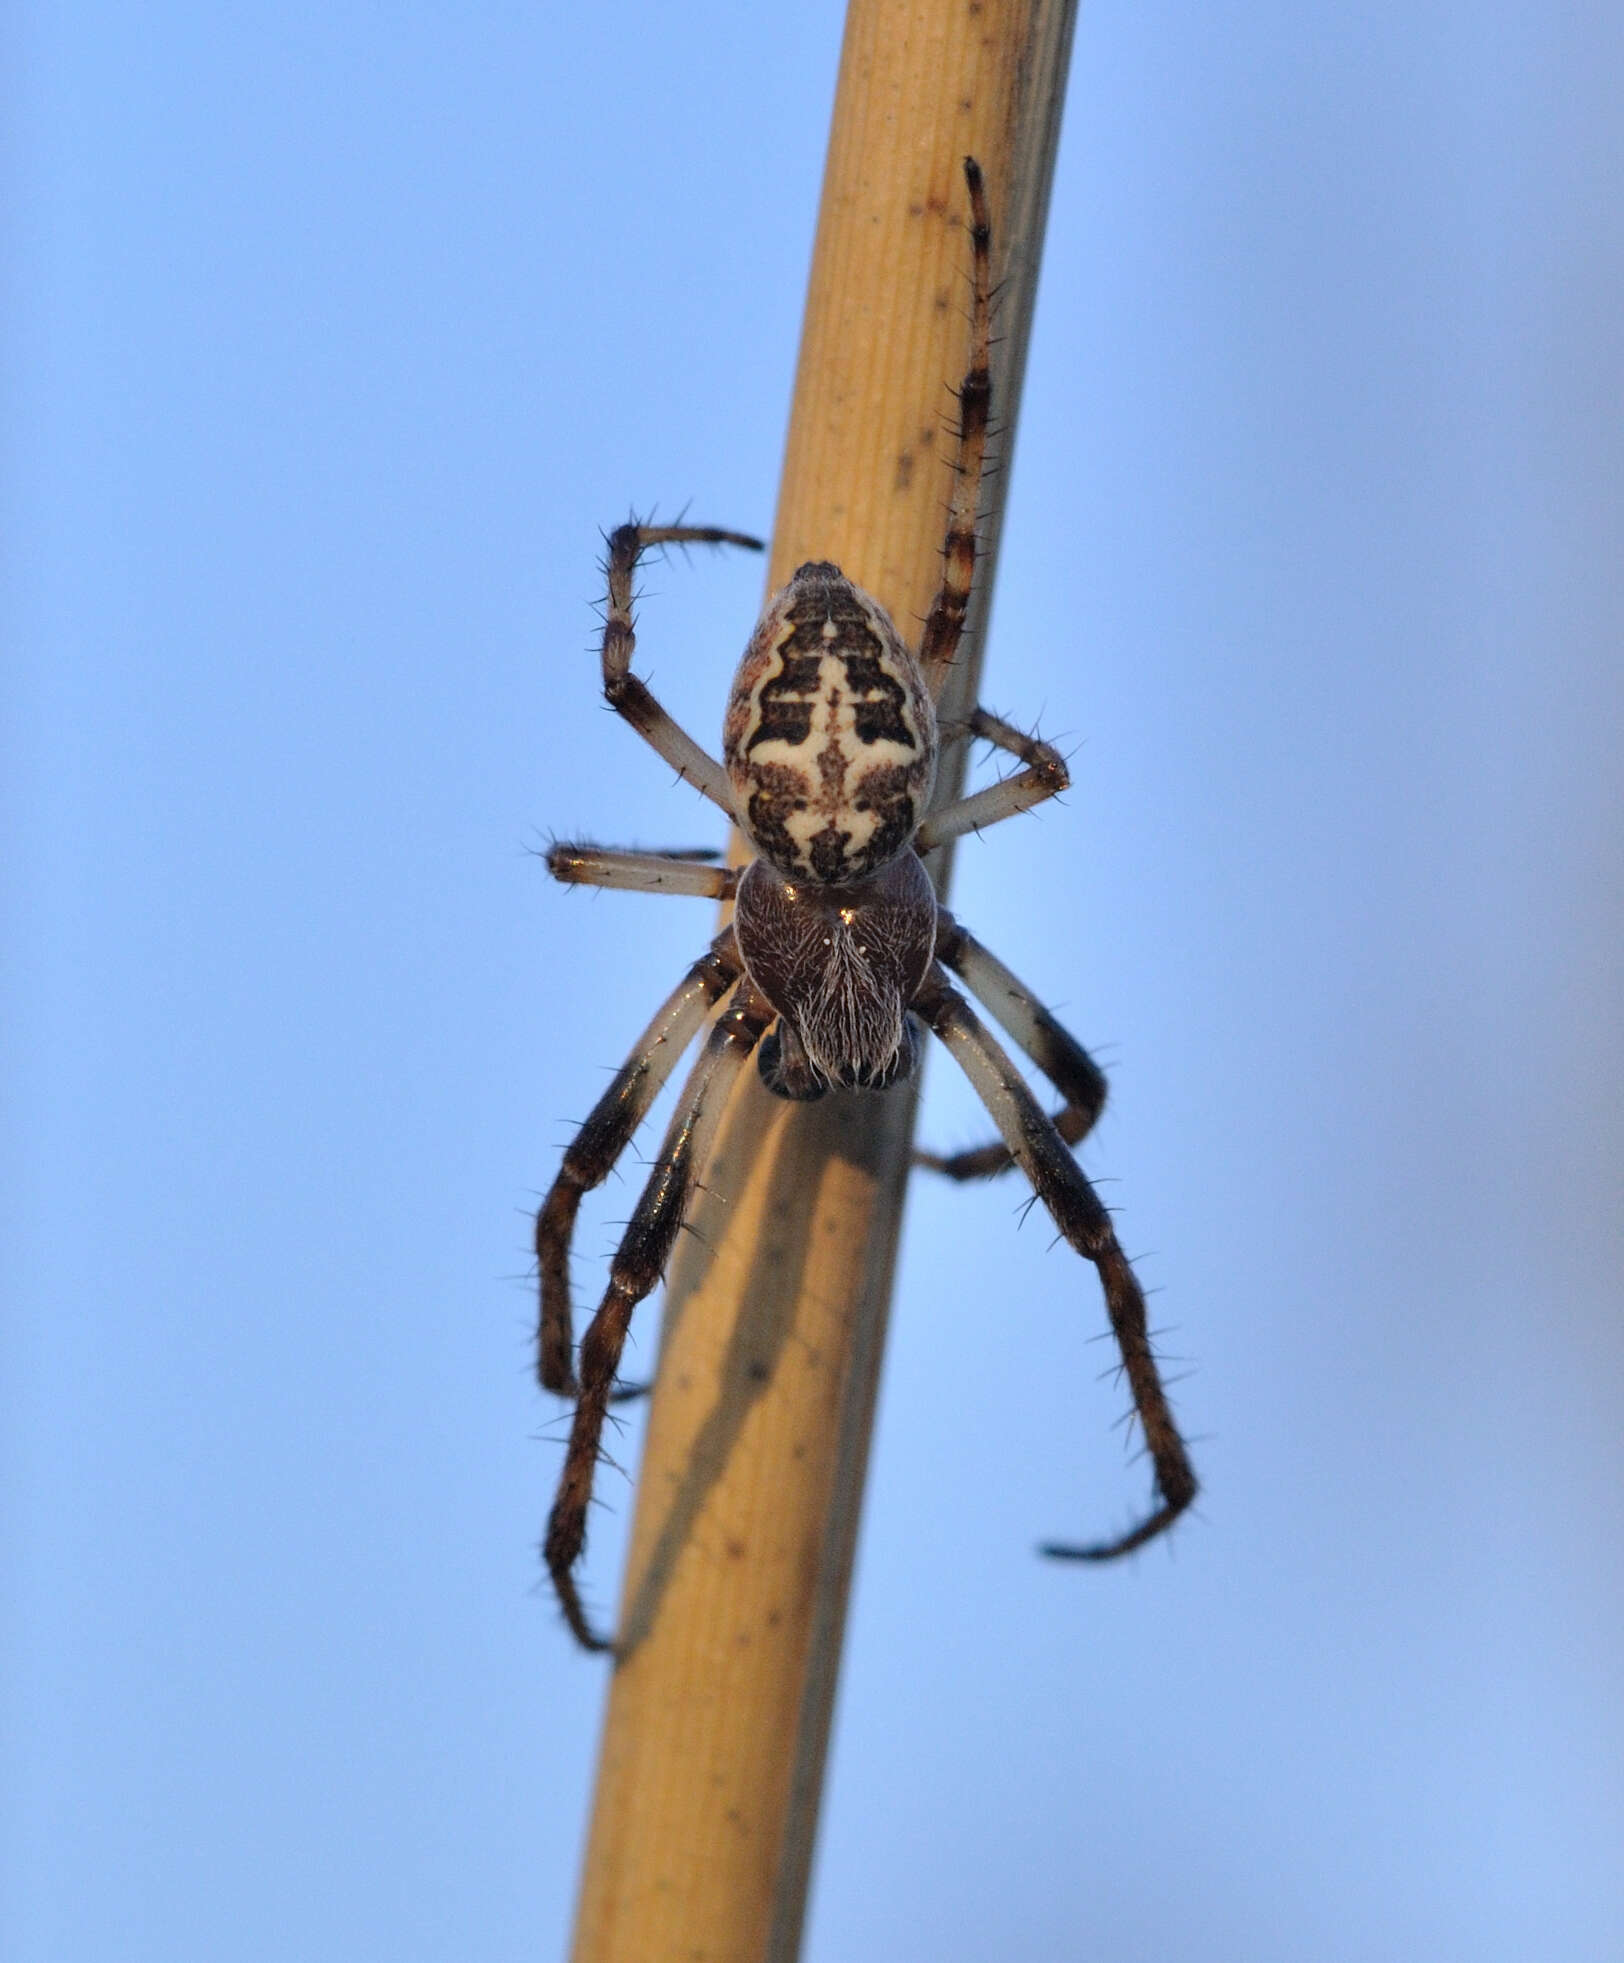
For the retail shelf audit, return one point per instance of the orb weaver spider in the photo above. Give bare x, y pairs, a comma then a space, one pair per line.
837, 957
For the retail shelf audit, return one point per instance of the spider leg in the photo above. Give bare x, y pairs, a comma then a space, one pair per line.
1050, 1045
1045, 776
1077, 1211
945, 623
605, 1135
579, 863
638, 1264
627, 693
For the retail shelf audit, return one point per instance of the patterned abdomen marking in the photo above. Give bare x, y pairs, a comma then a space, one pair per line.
830, 737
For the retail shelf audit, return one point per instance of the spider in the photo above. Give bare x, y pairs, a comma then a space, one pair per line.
837, 957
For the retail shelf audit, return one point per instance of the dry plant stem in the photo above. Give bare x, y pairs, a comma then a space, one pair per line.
747, 1504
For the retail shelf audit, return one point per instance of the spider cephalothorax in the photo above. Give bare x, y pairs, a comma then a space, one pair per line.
839, 964
837, 957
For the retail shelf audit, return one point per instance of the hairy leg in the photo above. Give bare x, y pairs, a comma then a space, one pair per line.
1050, 1045
637, 1267
939, 642
627, 693
1044, 777
1077, 1211
577, 862
605, 1135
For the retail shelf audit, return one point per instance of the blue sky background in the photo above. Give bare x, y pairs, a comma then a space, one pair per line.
336, 334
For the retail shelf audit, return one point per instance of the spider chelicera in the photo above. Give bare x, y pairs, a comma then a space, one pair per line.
837, 955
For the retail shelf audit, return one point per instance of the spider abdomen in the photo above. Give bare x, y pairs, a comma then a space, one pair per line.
840, 965
830, 736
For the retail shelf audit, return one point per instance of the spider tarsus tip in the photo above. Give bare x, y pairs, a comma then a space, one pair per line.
1054, 1550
